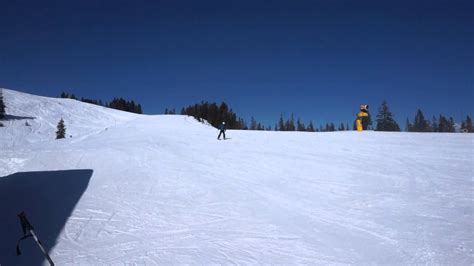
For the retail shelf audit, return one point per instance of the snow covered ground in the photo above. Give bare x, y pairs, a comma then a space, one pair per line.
141, 189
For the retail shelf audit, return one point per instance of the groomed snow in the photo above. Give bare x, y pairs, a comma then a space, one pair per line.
162, 190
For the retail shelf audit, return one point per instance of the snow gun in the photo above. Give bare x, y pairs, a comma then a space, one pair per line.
361, 116
28, 232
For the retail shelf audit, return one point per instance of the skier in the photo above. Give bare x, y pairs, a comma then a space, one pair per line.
221, 131
363, 118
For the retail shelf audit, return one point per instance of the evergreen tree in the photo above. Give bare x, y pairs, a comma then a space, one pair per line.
408, 126
310, 127
139, 109
281, 124
466, 125
2, 106
290, 124
385, 120
347, 127
451, 125
253, 123
446, 125
434, 124
61, 133
420, 124
341, 127
223, 112
242, 124
300, 126
442, 124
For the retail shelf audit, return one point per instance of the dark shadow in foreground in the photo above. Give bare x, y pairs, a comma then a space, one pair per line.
14, 117
48, 199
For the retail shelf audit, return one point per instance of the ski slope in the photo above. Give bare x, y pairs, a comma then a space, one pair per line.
141, 189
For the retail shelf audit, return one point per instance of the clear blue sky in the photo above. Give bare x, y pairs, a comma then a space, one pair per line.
318, 59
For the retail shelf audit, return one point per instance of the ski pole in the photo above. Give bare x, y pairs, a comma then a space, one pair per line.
28, 231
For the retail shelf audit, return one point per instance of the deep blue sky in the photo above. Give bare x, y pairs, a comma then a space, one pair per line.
318, 59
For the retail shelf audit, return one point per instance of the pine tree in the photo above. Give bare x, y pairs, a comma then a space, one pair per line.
385, 121
408, 126
290, 124
253, 123
434, 124
2, 106
451, 125
310, 127
341, 127
420, 124
300, 126
446, 125
467, 125
61, 133
281, 124
442, 124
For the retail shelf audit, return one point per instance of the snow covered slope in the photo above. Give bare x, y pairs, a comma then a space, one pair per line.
42, 115
163, 190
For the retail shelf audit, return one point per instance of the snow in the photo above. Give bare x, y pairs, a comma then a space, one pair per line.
141, 189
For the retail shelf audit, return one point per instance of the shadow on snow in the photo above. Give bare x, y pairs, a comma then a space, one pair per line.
48, 199
14, 117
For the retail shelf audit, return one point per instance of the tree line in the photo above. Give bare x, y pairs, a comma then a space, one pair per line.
437, 124
116, 103
217, 113
386, 122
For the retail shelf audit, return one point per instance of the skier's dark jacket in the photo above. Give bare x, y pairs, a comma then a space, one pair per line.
222, 127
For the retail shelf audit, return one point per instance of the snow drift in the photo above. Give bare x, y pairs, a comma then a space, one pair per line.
125, 188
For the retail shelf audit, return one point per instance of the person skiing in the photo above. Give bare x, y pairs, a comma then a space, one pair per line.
221, 130
363, 118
